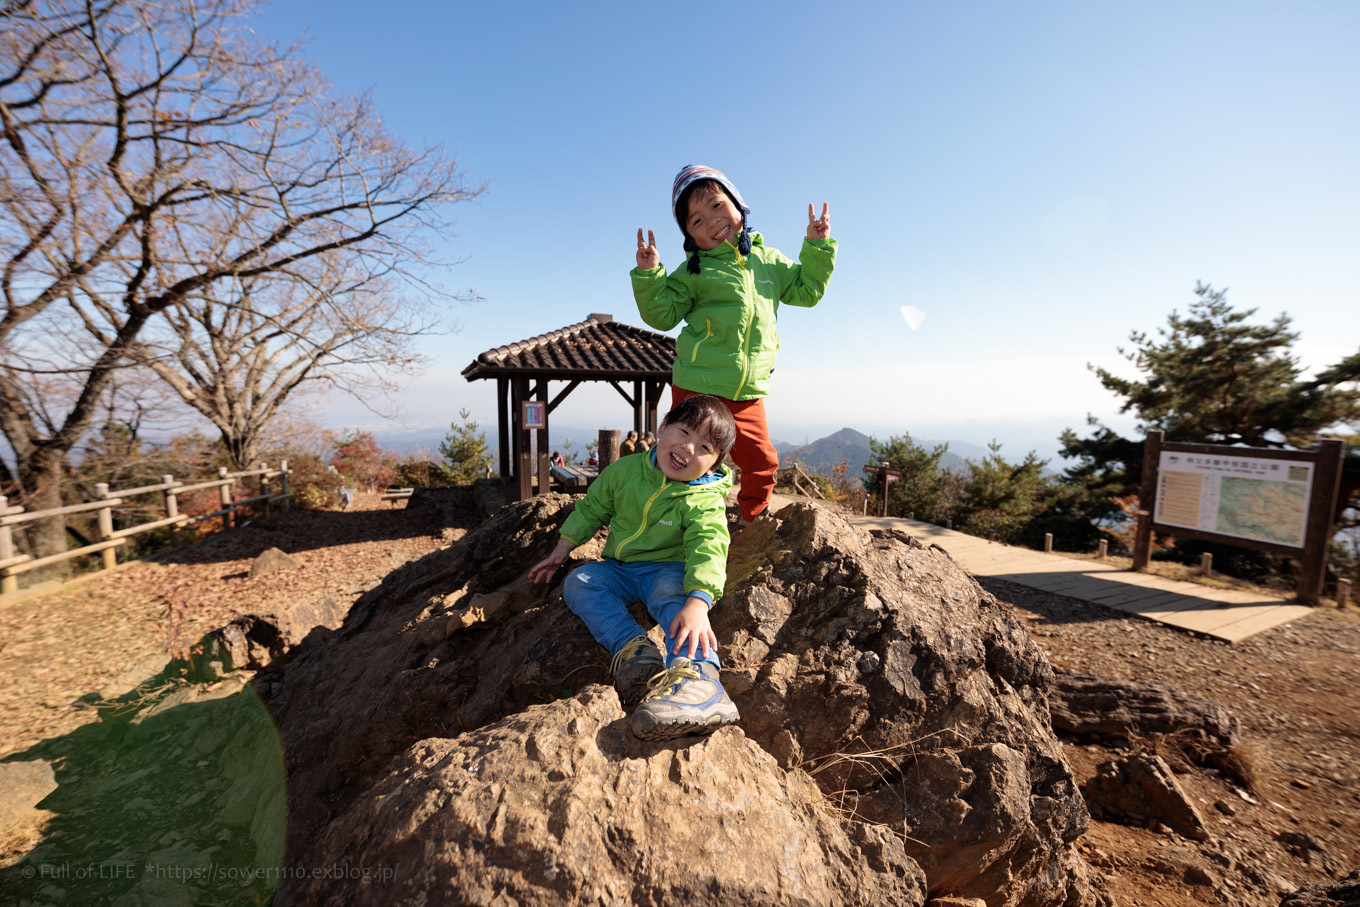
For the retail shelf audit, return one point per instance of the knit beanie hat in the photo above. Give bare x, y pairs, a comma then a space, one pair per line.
688, 176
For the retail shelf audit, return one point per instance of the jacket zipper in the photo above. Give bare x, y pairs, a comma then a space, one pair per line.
748, 280
708, 326
643, 523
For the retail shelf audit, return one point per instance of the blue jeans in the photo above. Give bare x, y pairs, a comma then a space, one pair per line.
599, 594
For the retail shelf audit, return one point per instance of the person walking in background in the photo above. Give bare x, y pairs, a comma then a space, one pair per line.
728, 294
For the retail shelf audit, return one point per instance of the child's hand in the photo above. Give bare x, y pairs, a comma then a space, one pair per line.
647, 257
691, 627
544, 569
819, 228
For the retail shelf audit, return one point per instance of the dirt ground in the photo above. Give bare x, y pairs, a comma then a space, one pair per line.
1293, 688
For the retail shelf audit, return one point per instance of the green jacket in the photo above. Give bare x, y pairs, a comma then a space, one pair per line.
653, 518
729, 341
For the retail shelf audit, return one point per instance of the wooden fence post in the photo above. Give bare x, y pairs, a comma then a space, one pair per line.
110, 555
1104, 548
9, 582
283, 485
1048, 543
171, 506
1343, 586
224, 497
1206, 563
264, 488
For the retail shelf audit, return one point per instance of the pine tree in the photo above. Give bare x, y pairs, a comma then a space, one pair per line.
1211, 376
464, 447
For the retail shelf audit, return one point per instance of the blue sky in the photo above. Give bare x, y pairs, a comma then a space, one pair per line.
1040, 179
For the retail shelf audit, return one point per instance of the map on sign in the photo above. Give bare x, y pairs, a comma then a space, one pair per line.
1228, 493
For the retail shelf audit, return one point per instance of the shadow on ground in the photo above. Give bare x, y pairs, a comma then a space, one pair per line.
176, 796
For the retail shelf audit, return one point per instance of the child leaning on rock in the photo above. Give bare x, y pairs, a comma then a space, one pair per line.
728, 294
667, 548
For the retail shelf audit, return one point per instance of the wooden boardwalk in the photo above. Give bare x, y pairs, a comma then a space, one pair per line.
1223, 613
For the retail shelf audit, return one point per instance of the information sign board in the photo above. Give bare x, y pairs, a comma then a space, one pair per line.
1246, 497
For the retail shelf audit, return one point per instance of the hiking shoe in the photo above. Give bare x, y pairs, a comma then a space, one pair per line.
687, 698
636, 663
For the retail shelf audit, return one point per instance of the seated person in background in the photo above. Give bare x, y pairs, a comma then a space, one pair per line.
648, 442
556, 459
629, 444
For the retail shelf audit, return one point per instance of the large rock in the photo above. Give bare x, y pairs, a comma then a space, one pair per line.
874, 666
560, 804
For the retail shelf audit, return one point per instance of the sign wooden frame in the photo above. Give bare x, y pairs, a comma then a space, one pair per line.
535, 414
1323, 490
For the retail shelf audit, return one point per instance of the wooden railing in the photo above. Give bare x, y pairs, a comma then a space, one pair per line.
170, 488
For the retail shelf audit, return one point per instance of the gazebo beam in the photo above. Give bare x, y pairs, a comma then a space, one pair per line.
562, 396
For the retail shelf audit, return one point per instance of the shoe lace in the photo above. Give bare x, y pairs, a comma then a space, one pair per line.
665, 681
630, 648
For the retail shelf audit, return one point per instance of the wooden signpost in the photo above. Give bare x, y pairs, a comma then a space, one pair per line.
890, 474
1253, 497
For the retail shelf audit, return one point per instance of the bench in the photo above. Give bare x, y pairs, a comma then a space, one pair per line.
575, 477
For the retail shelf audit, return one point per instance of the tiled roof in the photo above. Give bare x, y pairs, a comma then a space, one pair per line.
598, 348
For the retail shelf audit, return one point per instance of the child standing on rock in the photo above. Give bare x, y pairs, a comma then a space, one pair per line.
667, 548
728, 294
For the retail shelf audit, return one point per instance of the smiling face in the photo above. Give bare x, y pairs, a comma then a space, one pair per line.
713, 217
684, 453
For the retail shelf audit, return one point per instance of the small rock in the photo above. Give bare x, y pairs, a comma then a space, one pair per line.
272, 560
1225, 807
23, 785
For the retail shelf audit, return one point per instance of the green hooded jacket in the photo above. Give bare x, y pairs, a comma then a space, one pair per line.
728, 344
653, 518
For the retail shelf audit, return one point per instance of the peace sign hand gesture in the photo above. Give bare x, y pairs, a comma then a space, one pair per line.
647, 257
819, 227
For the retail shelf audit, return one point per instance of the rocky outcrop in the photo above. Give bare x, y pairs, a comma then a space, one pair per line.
1089, 705
1341, 893
559, 804
895, 742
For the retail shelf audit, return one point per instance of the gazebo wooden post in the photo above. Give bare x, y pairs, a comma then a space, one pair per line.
503, 419
544, 465
524, 458
639, 418
654, 391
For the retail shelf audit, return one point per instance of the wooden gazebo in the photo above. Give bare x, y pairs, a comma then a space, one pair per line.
597, 349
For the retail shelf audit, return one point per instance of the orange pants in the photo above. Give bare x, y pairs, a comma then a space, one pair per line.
753, 453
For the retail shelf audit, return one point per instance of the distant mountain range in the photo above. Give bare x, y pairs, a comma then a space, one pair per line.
818, 456
853, 447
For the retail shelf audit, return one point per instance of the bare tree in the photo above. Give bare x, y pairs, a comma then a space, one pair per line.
238, 360
153, 152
